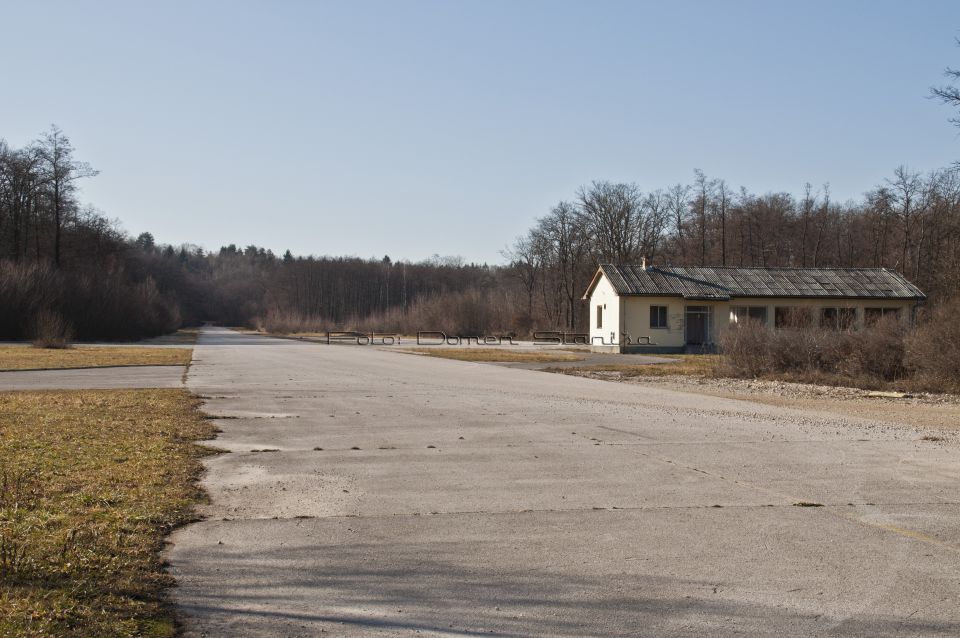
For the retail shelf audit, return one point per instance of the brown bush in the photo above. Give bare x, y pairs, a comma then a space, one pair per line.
106, 304
933, 349
467, 313
803, 352
879, 351
747, 350
51, 330
290, 322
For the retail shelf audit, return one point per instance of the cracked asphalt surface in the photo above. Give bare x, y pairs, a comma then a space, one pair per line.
372, 493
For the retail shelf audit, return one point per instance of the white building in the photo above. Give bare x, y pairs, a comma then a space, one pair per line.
669, 309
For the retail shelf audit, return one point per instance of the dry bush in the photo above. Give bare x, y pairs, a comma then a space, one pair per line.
933, 349
468, 313
105, 304
870, 357
810, 349
747, 350
879, 351
51, 330
25, 290
291, 322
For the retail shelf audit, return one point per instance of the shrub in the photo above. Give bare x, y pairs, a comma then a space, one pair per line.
804, 352
51, 330
879, 351
932, 353
106, 304
747, 350
290, 322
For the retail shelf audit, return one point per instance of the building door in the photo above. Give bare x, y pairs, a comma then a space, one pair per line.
697, 325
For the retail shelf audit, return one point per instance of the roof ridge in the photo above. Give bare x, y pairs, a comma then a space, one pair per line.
759, 281
651, 267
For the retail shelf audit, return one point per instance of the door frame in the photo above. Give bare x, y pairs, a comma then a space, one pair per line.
707, 313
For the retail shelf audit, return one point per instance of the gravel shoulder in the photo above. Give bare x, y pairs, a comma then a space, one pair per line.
921, 410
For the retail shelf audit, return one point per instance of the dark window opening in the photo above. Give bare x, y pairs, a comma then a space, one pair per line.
781, 316
599, 317
743, 314
792, 317
658, 316
873, 315
828, 318
846, 318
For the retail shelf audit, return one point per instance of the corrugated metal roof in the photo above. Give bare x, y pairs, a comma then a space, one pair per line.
724, 283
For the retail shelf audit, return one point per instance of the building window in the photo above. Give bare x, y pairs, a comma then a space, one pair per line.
873, 315
792, 317
828, 318
743, 314
838, 318
847, 318
658, 316
599, 317
781, 316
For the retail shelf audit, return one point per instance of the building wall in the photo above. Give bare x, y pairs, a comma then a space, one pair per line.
636, 321
905, 306
608, 335
635, 316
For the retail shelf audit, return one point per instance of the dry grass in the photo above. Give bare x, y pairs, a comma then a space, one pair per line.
17, 357
90, 483
696, 365
497, 355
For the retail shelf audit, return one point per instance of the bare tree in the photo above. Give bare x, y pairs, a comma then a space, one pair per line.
655, 219
907, 195
806, 212
677, 203
703, 191
59, 171
949, 94
614, 212
722, 205
526, 261
564, 233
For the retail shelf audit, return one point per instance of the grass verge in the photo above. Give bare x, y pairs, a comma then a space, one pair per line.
90, 483
496, 355
23, 357
696, 365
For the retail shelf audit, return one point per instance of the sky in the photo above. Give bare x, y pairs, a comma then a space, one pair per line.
411, 129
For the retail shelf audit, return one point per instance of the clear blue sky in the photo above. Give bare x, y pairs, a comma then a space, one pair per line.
414, 128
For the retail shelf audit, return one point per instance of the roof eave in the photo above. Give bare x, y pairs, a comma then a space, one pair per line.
593, 283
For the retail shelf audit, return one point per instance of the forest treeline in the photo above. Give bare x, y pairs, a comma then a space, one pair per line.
60, 258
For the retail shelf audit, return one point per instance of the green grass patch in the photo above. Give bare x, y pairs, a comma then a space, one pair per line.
90, 483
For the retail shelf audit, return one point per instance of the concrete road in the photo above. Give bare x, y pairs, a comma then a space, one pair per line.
372, 493
107, 378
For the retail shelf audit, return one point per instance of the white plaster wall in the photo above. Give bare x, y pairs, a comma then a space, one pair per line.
604, 295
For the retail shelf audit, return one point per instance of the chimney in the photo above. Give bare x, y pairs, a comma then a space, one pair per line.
643, 263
